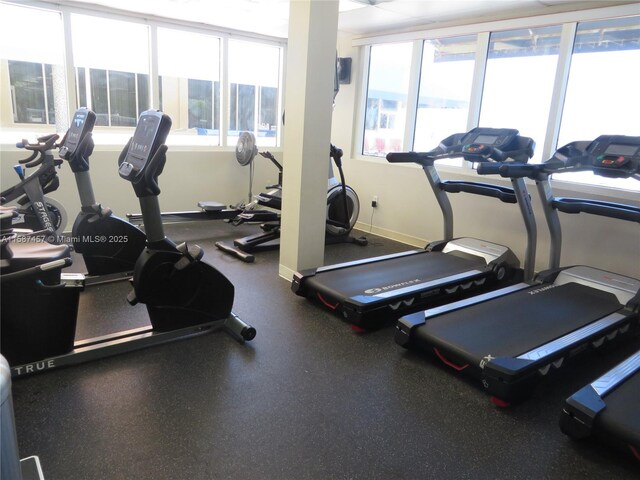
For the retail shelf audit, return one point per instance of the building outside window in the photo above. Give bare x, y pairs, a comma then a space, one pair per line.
446, 79
32, 94
113, 85
189, 68
519, 81
603, 96
386, 107
254, 76
35, 81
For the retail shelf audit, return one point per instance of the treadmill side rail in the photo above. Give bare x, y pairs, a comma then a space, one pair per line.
449, 307
617, 375
582, 408
512, 379
405, 327
580, 411
573, 338
299, 278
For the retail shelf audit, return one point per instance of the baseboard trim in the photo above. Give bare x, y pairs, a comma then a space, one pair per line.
391, 235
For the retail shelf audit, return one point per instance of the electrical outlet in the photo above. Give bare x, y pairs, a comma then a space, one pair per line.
374, 201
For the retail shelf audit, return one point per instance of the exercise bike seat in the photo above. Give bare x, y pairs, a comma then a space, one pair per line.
7, 214
26, 254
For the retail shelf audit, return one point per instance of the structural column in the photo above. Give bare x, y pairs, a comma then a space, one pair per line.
311, 57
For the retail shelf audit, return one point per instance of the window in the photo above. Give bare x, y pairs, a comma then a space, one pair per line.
36, 76
113, 85
602, 93
446, 79
241, 108
113, 77
189, 68
31, 92
519, 81
389, 67
254, 73
594, 65
202, 101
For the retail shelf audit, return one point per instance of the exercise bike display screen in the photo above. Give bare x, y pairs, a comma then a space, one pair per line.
151, 131
82, 123
140, 148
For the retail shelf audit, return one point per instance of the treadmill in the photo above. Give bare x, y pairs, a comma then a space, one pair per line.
511, 338
608, 408
371, 292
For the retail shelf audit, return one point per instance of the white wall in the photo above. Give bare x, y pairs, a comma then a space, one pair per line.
188, 177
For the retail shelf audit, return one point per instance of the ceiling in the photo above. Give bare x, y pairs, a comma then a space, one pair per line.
357, 17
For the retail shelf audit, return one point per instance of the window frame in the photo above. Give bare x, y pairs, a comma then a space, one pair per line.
568, 21
153, 22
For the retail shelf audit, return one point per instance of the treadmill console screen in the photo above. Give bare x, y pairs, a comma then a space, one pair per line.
615, 155
620, 149
82, 123
483, 141
151, 132
490, 139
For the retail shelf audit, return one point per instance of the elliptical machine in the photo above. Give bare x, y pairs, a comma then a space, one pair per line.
34, 211
343, 208
183, 295
109, 245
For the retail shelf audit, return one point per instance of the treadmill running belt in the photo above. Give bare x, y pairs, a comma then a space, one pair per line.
514, 324
418, 268
621, 417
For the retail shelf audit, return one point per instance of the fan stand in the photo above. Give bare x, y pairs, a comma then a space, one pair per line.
246, 151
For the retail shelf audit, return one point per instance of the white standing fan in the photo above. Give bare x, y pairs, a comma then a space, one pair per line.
246, 151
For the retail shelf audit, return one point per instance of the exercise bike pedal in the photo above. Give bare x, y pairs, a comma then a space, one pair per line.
190, 254
131, 298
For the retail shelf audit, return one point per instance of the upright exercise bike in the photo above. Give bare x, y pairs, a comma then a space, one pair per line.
35, 211
183, 295
109, 245
178, 289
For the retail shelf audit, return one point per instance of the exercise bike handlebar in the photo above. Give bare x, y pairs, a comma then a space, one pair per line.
39, 149
79, 160
44, 143
31, 157
34, 271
